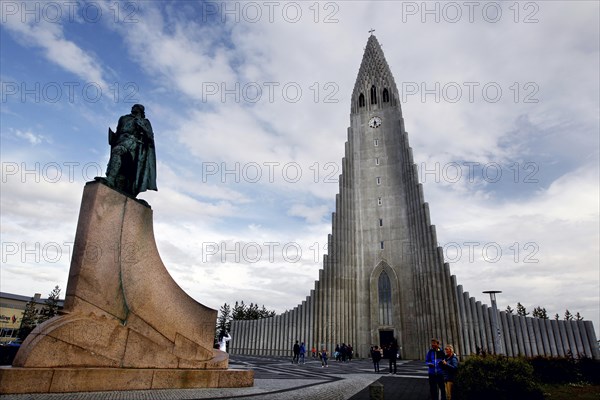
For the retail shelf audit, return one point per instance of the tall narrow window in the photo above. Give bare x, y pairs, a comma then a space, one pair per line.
380, 221
373, 95
379, 201
378, 180
376, 142
385, 299
386, 96
376, 160
381, 245
361, 100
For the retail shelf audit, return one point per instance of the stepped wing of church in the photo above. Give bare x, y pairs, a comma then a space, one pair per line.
385, 279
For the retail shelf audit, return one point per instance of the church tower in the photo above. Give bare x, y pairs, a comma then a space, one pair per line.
400, 274
384, 278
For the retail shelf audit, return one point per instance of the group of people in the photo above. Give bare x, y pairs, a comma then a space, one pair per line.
343, 352
443, 366
299, 353
389, 351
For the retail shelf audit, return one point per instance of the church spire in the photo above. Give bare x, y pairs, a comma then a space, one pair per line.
375, 87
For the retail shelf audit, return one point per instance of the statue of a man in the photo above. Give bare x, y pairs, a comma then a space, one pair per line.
132, 165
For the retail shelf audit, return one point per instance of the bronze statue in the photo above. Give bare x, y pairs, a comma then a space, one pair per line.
132, 165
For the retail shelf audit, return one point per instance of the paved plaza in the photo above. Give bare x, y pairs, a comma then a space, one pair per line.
277, 378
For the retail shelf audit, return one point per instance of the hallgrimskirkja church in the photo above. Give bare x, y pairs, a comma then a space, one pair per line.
385, 278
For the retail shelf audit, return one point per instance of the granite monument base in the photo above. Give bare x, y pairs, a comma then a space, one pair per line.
126, 324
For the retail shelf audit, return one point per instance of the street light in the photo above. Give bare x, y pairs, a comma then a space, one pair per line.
495, 325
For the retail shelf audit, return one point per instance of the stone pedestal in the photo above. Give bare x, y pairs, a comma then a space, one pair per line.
126, 324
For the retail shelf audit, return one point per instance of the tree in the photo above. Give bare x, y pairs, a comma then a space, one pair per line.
568, 315
29, 320
224, 319
521, 310
50, 309
578, 317
509, 310
556, 316
540, 312
264, 313
239, 311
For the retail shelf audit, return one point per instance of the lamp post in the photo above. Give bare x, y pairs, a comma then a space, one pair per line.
495, 325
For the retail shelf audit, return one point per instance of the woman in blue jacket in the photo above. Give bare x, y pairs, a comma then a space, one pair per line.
449, 367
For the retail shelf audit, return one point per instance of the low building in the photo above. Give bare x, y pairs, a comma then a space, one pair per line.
12, 307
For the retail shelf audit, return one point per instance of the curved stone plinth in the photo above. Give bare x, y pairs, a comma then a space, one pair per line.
122, 308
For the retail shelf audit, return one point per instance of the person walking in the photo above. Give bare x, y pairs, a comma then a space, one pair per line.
436, 377
392, 355
296, 350
376, 357
449, 367
323, 356
302, 352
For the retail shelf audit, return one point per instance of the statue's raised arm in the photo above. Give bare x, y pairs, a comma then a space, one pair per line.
132, 165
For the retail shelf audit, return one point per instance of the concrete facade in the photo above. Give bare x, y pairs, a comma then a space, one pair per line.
385, 277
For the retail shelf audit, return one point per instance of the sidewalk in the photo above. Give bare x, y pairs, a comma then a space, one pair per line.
279, 379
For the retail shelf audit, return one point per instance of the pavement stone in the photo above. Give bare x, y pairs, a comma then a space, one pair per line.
276, 378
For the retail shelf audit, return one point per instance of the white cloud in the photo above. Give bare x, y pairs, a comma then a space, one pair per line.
31, 137
176, 55
38, 31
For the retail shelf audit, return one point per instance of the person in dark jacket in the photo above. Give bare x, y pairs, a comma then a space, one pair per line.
449, 367
392, 356
376, 357
436, 376
296, 353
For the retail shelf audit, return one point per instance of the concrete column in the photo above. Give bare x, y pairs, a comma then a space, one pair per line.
571, 338
319, 311
427, 278
551, 338
517, 348
566, 346
469, 324
310, 338
453, 299
278, 334
244, 333
591, 335
577, 335
545, 337
268, 336
477, 321
464, 335
537, 333
531, 336
239, 333
560, 350
234, 343
506, 337
521, 326
486, 324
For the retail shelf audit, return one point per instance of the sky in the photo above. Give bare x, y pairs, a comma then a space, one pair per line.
250, 105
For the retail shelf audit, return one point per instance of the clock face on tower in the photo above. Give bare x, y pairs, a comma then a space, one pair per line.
375, 122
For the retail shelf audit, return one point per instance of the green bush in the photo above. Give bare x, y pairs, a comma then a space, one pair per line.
589, 370
494, 377
556, 370
561, 370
